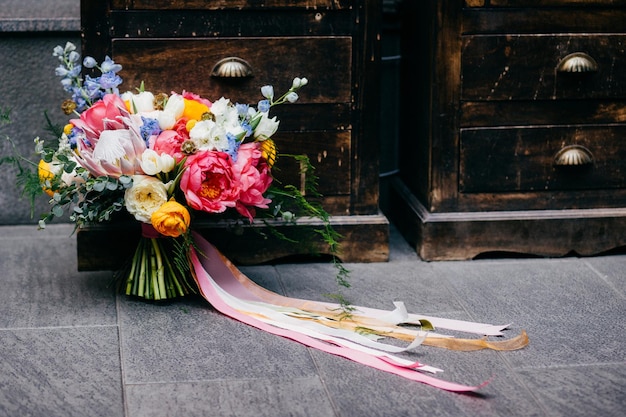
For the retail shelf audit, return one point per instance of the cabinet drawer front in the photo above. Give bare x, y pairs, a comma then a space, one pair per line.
329, 153
177, 64
537, 67
523, 159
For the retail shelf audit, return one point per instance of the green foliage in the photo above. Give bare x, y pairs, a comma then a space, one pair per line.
290, 202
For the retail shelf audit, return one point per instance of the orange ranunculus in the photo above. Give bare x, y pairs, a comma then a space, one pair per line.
171, 219
45, 173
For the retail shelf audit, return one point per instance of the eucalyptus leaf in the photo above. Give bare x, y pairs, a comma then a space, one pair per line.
99, 186
57, 211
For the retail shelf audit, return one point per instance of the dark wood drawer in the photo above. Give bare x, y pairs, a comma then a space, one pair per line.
526, 67
523, 159
176, 64
329, 152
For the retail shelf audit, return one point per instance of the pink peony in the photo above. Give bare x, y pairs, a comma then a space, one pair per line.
208, 182
252, 174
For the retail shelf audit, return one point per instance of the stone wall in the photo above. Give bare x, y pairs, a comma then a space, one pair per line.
29, 30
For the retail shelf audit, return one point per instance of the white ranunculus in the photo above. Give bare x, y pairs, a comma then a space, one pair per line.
175, 105
266, 127
152, 163
172, 112
141, 102
145, 197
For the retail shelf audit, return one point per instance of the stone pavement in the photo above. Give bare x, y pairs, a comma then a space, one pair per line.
69, 346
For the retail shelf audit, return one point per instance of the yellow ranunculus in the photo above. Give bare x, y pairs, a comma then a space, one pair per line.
171, 219
268, 151
194, 109
45, 173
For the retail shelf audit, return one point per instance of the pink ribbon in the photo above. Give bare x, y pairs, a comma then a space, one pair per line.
212, 274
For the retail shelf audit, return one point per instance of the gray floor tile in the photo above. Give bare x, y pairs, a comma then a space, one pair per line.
44, 288
304, 397
564, 306
361, 391
580, 391
62, 372
189, 341
611, 269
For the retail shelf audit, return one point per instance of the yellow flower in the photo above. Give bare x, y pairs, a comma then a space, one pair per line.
268, 151
190, 124
67, 129
45, 174
171, 219
194, 109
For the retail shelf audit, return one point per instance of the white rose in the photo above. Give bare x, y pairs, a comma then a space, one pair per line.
145, 197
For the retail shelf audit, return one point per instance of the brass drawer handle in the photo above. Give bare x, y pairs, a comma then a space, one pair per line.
577, 62
232, 67
573, 155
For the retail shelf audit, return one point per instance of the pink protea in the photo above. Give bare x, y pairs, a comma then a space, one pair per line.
110, 143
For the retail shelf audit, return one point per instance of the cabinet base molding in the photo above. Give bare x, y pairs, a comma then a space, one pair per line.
466, 235
365, 238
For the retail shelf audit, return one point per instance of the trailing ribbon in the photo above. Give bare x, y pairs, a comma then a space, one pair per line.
316, 324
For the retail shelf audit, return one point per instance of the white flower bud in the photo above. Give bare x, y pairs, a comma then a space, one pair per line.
267, 91
292, 97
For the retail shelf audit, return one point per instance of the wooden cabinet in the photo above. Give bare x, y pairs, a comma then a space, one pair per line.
514, 139
183, 45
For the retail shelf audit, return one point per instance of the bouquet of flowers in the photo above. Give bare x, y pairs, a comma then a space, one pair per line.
163, 158
166, 159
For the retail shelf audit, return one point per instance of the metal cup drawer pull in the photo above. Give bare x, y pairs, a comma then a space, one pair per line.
232, 67
578, 62
573, 155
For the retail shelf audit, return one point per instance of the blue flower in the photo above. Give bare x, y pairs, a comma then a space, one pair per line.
233, 146
242, 109
246, 126
89, 62
109, 66
264, 106
148, 128
110, 80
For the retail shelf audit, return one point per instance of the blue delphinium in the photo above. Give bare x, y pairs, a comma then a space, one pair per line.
85, 92
148, 128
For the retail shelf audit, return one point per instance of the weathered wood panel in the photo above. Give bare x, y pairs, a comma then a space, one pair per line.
232, 4
523, 159
177, 64
524, 67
